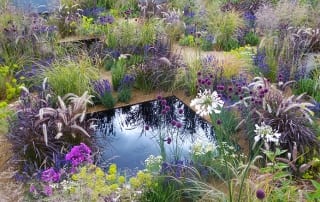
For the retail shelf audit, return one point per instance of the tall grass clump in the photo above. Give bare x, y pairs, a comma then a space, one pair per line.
71, 76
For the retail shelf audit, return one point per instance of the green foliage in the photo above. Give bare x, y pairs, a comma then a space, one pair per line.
225, 124
118, 72
71, 76
124, 95
307, 86
187, 41
252, 39
5, 112
107, 100
160, 190
314, 195
125, 34
9, 88
224, 26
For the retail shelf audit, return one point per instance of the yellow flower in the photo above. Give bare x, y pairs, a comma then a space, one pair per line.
114, 187
121, 179
72, 190
99, 172
75, 177
113, 169
111, 178
134, 182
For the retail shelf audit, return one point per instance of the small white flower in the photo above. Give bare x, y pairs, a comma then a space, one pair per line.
266, 133
206, 103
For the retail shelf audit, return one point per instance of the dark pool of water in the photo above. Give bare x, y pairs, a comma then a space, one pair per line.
122, 138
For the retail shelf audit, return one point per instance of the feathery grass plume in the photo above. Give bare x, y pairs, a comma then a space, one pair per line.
39, 131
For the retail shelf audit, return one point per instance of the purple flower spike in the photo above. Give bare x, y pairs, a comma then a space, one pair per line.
260, 194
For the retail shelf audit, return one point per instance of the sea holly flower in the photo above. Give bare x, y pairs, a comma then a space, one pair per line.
206, 103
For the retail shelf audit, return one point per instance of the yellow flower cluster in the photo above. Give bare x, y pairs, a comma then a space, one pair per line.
93, 181
97, 182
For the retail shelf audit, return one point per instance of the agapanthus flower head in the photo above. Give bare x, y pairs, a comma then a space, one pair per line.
79, 154
266, 133
50, 175
206, 103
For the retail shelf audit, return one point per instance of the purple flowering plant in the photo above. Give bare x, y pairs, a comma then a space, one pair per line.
79, 154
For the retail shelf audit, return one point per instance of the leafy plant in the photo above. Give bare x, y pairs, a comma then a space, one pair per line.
125, 89
315, 195
290, 116
71, 76
118, 72
252, 39
39, 132
103, 93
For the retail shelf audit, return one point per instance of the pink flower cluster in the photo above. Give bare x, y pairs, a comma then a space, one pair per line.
79, 154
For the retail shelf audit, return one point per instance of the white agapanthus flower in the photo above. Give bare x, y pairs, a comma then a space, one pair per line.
206, 103
266, 133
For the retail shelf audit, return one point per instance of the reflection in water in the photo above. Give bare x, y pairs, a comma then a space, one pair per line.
36, 5
122, 139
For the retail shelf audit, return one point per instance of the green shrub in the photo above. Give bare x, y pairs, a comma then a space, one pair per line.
67, 76
252, 39
124, 95
107, 100
307, 86
9, 88
118, 71
187, 41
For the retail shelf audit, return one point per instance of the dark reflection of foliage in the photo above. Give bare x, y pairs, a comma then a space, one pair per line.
149, 113
104, 122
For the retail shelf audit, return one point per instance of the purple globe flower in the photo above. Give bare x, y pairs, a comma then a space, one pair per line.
169, 140
173, 122
260, 194
180, 111
179, 125
167, 108
163, 102
219, 122
159, 97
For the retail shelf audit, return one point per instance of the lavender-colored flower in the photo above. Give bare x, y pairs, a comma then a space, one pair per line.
103, 20
260, 61
48, 190
260, 194
50, 175
32, 189
127, 82
190, 29
102, 87
79, 154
